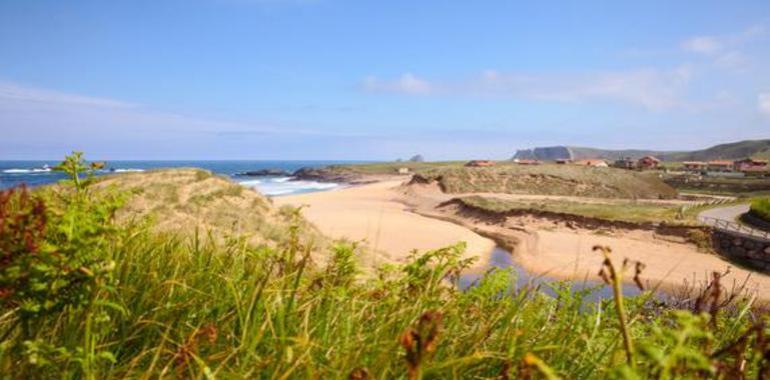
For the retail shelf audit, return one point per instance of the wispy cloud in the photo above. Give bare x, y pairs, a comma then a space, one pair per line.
763, 103
650, 88
55, 120
703, 45
725, 50
407, 83
10, 92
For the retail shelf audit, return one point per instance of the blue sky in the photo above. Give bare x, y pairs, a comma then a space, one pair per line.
328, 79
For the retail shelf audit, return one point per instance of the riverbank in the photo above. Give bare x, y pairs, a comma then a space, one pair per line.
394, 219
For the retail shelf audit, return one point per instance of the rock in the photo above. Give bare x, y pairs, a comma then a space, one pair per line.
738, 242
325, 175
265, 173
767, 250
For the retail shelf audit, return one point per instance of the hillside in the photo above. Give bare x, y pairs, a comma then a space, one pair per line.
549, 180
741, 149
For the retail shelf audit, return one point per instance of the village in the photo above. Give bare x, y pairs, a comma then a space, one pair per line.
746, 167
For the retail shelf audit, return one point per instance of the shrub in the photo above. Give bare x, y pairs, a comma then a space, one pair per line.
761, 209
57, 260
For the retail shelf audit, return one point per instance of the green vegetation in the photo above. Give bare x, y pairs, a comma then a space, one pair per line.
87, 294
551, 179
743, 187
624, 211
392, 167
761, 209
736, 150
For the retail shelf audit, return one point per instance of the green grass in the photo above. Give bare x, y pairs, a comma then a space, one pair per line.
626, 211
392, 167
552, 179
743, 187
163, 305
761, 208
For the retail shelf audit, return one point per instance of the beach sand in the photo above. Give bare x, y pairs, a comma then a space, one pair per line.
373, 214
386, 217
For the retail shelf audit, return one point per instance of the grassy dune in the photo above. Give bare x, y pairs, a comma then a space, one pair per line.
183, 201
509, 177
552, 180
624, 211
88, 293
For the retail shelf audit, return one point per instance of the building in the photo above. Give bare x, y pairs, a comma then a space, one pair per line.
757, 171
625, 163
592, 162
480, 163
748, 164
647, 162
694, 166
403, 170
720, 166
527, 162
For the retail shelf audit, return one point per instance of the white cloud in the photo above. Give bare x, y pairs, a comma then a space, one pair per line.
732, 60
763, 103
58, 121
703, 45
649, 88
13, 92
725, 51
407, 83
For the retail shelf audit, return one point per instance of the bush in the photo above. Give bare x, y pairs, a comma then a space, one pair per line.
761, 209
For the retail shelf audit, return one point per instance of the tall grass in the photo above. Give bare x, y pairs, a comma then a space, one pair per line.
166, 306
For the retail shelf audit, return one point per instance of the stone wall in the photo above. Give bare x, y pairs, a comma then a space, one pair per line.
750, 251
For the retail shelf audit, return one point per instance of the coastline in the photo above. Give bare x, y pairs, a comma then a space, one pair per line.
394, 220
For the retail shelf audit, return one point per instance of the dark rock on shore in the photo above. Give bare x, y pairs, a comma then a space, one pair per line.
326, 174
265, 173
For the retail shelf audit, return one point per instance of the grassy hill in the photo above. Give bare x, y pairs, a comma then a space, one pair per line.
736, 150
186, 200
550, 180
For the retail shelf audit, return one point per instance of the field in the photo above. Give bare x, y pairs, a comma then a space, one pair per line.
86, 294
546, 179
551, 180
742, 187
624, 211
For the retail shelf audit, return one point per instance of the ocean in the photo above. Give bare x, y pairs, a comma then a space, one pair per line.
36, 173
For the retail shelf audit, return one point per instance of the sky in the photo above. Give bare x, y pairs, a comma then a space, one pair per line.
377, 80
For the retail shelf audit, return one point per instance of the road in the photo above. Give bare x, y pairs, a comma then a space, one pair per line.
727, 218
728, 214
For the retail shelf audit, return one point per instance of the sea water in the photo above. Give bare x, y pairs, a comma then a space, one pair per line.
36, 173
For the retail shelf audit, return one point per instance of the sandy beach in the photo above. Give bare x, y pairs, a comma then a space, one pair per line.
394, 222
373, 214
